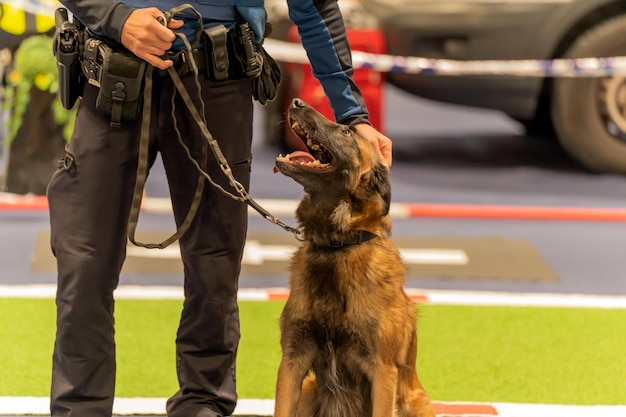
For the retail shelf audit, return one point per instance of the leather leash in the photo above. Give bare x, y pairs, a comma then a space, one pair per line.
142, 167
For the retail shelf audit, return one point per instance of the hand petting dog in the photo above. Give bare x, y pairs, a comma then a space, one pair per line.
379, 141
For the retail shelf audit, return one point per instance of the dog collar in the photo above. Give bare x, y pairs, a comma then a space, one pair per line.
360, 237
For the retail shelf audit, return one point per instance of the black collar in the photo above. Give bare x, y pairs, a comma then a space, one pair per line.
360, 237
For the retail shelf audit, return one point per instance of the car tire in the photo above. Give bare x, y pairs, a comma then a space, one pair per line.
587, 112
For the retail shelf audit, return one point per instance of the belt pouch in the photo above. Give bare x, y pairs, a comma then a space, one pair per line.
246, 61
215, 48
121, 85
265, 86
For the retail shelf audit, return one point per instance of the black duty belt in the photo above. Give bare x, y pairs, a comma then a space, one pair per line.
225, 54
182, 65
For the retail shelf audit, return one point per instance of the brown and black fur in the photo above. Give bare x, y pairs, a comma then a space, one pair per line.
348, 336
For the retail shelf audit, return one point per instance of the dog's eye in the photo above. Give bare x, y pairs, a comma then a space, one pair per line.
346, 131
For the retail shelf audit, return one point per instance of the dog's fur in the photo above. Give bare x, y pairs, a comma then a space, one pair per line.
348, 333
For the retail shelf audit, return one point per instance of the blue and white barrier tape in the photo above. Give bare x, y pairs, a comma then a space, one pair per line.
293, 52
40, 7
582, 67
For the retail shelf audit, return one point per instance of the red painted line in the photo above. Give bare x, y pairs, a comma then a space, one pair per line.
277, 295
517, 212
448, 409
33, 203
419, 298
25, 202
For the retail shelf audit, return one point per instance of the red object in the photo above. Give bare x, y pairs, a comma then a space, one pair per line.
302, 83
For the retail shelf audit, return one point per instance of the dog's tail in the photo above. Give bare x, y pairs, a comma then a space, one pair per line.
326, 401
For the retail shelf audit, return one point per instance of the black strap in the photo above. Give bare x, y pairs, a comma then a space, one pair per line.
142, 175
219, 156
118, 100
144, 142
360, 237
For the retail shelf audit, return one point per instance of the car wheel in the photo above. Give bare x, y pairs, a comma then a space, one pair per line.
589, 114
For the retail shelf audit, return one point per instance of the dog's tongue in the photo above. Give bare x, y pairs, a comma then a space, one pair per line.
299, 156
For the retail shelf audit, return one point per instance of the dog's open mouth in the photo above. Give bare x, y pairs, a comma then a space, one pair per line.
317, 157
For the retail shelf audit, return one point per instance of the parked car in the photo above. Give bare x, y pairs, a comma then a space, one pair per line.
588, 115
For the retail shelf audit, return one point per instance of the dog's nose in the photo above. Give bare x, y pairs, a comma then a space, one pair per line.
296, 102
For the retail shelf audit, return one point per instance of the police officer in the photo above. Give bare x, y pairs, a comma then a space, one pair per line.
90, 198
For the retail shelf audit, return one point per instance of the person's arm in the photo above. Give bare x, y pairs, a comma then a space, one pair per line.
324, 38
139, 30
104, 17
323, 35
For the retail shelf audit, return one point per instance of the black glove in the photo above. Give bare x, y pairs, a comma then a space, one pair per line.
265, 86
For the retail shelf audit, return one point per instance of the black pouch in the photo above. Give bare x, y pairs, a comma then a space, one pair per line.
215, 40
121, 85
265, 86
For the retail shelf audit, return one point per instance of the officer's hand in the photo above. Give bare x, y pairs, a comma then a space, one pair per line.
144, 35
381, 143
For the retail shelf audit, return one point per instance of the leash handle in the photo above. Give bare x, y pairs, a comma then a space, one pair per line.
168, 15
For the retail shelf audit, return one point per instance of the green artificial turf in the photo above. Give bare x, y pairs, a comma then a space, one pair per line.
492, 354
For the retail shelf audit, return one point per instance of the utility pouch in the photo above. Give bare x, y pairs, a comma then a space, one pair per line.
245, 60
265, 86
215, 39
66, 47
121, 85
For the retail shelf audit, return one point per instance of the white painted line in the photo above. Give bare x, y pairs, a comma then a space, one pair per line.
265, 407
171, 252
256, 253
278, 207
399, 211
163, 205
28, 291
125, 406
544, 410
434, 256
24, 405
138, 292
523, 299
477, 298
254, 407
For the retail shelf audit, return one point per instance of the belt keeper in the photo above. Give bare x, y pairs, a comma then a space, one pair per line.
118, 99
184, 67
216, 49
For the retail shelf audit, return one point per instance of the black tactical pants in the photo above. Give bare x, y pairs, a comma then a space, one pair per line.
90, 197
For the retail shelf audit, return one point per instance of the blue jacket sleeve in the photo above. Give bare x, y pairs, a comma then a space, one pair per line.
105, 17
323, 35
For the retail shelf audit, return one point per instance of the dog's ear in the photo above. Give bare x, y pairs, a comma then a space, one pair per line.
383, 186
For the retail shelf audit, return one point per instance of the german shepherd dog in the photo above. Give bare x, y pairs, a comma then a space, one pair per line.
348, 337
